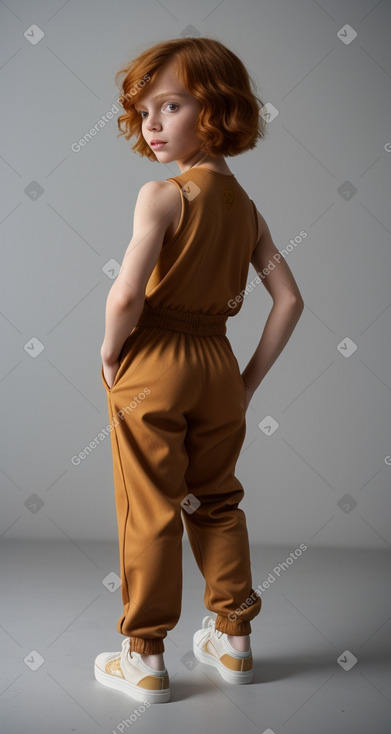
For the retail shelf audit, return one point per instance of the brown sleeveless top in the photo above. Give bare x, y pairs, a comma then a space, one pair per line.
204, 266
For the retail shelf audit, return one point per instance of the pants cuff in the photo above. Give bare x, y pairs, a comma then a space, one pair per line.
146, 646
232, 627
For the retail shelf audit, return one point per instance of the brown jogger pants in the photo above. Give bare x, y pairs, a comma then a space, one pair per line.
177, 411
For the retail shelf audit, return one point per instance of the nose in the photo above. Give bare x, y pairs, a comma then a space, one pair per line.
153, 122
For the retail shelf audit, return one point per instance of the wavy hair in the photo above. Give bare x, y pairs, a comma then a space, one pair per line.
229, 122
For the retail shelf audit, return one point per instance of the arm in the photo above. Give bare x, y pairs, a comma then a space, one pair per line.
285, 312
126, 297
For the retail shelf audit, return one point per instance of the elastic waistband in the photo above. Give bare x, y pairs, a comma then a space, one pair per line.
189, 322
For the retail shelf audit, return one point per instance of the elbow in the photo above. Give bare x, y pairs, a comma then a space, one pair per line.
297, 308
299, 305
293, 303
290, 308
125, 298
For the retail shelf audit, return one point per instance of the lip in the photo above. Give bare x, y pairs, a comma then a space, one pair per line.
157, 143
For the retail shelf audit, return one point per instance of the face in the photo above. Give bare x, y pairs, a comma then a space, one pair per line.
169, 113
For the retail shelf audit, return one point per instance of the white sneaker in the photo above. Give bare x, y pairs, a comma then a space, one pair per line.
127, 672
212, 647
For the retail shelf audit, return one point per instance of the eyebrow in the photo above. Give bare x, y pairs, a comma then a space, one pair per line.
164, 94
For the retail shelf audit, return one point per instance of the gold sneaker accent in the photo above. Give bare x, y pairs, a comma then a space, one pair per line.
154, 683
230, 662
236, 663
114, 668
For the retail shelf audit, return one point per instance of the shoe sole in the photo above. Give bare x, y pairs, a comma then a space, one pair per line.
230, 676
139, 694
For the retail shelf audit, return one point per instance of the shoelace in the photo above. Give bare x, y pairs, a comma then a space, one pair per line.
205, 634
125, 647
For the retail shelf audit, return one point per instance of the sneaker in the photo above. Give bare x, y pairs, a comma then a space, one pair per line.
212, 647
127, 672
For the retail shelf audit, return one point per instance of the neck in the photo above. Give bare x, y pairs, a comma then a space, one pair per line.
217, 164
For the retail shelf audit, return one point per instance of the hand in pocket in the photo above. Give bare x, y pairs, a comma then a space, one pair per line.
110, 371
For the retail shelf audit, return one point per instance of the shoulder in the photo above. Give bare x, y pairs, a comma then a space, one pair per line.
160, 201
158, 193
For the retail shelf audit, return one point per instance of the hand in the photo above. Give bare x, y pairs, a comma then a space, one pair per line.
110, 371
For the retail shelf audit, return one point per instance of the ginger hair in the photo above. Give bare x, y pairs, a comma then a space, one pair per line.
229, 122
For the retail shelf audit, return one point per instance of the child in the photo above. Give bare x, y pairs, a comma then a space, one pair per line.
176, 398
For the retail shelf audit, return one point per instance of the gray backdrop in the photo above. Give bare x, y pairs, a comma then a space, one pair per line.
322, 477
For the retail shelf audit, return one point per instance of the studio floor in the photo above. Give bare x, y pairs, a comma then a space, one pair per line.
321, 646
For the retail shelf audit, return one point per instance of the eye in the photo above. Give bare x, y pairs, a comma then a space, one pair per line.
169, 104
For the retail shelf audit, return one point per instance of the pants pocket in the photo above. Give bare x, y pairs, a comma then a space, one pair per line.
104, 379
235, 364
